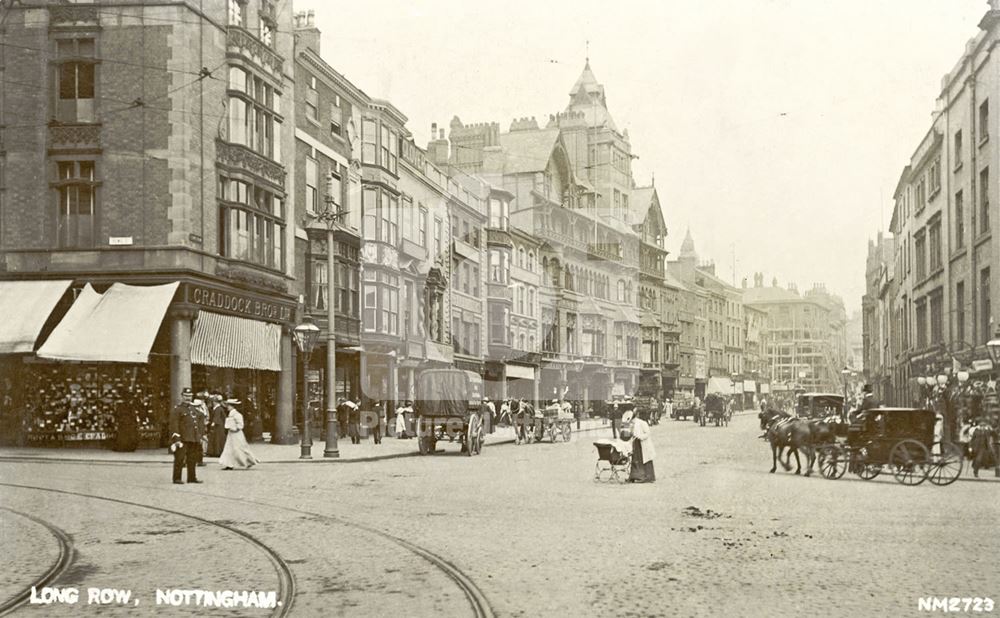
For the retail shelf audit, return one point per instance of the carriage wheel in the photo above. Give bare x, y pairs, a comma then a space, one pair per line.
832, 462
946, 467
567, 431
863, 469
909, 460
473, 435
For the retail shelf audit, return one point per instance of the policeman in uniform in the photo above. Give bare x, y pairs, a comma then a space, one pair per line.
187, 428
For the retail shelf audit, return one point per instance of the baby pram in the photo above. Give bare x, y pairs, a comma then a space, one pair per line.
614, 457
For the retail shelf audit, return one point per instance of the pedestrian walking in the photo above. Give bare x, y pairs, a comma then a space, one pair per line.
400, 422
643, 450
491, 411
504, 418
354, 421
236, 453
379, 422
126, 427
187, 427
217, 426
615, 418
202, 404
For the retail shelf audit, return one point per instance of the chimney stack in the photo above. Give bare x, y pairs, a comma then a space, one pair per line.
307, 35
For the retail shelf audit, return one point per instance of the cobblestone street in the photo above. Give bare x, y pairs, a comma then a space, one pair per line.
524, 530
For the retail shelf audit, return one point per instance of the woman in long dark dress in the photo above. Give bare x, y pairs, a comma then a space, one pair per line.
643, 451
217, 431
126, 428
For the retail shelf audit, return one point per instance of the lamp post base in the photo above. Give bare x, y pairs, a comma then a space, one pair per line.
332, 433
306, 451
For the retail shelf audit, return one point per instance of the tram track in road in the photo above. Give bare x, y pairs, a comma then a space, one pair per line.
286, 579
62, 562
478, 602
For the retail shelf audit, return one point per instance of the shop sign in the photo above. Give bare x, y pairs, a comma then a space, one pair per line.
982, 365
241, 304
313, 375
89, 435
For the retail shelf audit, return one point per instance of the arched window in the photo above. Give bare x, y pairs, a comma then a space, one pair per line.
531, 343
621, 290
531, 301
520, 257
520, 342
569, 279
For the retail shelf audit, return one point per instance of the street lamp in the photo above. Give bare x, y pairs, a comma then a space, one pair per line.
306, 335
993, 347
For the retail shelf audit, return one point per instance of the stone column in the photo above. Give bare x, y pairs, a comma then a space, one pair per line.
284, 415
180, 350
535, 382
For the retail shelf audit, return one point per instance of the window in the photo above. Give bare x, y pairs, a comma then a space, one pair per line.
319, 290
456, 334
252, 224
77, 204
312, 100
934, 177
422, 225
253, 109
346, 300
499, 266
934, 242
499, 214
312, 180
438, 240
959, 220
617, 203
75, 77
381, 311
499, 319
407, 214
475, 281
335, 189
520, 300
921, 325
336, 118
369, 152
531, 261
267, 30
390, 148
466, 275
984, 121
531, 302
370, 208
937, 318
921, 195
958, 149
984, 303
407, 308
984, 200
960, 311
920, 250
237, 12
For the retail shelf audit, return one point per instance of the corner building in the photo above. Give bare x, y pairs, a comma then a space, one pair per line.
144, 196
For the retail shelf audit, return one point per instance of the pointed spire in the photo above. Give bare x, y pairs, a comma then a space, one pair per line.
687, 247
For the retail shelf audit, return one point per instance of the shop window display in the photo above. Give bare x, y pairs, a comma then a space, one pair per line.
80, 405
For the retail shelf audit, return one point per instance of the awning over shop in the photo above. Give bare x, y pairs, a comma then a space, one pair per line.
229, 341
118, 326
749, 386
25, 305
520, 371
720, 386
765, 388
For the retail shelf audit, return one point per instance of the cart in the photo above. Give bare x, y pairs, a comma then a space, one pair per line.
557, 423
899, 440
448, 406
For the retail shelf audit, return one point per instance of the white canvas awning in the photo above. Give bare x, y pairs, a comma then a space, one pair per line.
719, 386
118, 326
229, 341
749, 386
25, 305
521, 372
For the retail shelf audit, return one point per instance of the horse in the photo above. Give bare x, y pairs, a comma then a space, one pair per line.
783, 431
982, 447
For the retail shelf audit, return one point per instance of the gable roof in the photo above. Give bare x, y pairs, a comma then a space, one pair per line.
528, 151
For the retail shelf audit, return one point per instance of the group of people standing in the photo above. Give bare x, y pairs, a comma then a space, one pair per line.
209, 425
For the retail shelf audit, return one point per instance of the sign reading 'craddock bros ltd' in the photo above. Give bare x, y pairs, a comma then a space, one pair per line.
238, 303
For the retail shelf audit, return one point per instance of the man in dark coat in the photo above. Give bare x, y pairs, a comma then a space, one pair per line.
868, 402
187, 427
354, 421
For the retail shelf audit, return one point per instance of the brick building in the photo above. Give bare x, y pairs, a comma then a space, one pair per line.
144, 145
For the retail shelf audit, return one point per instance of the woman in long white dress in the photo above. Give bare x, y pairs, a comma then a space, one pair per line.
236, 453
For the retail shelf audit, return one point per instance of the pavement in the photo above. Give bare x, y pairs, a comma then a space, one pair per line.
524, 526
266, 452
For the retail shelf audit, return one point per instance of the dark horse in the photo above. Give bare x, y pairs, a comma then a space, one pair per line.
982, 447
795, 434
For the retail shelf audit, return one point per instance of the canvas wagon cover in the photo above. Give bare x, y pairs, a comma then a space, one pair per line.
447, 392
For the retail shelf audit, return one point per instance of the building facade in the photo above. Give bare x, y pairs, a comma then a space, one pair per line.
147, 145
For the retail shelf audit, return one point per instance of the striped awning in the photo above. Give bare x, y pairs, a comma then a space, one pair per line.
229, 341
25, 305
118, 326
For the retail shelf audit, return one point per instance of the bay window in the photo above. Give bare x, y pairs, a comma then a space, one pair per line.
499, 214
369, 152
254, 113
381, 302
251, 223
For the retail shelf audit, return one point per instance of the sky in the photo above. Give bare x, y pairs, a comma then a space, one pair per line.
776, 130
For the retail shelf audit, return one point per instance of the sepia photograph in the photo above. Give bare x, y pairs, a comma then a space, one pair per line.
499, 309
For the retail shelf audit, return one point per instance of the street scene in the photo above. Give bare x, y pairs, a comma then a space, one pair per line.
500, 309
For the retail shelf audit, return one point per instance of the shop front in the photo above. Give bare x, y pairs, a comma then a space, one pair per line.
126, 353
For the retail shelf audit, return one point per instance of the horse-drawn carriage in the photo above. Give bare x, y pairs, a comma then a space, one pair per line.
716, 411
683, 408
900, 440
448, 406
651, 406
819, 405
531, 425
